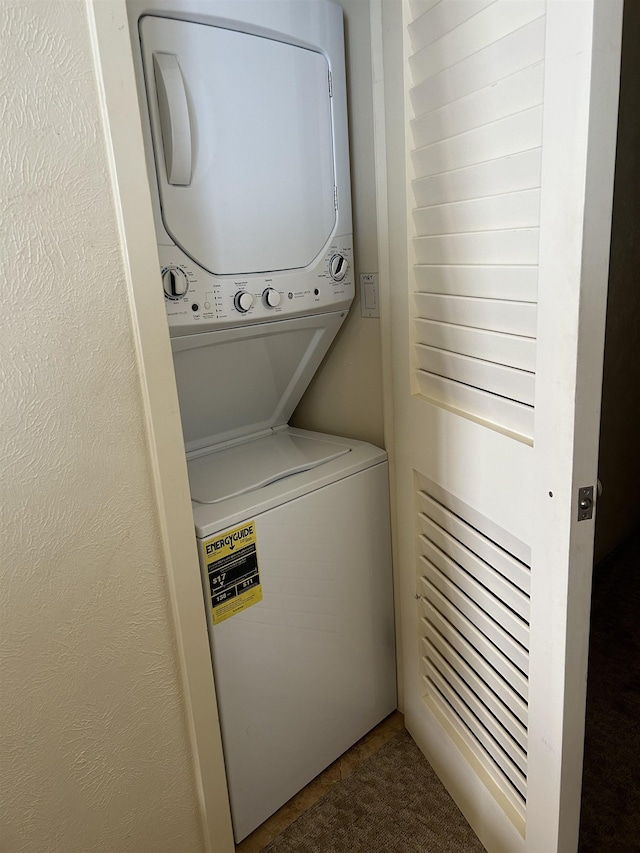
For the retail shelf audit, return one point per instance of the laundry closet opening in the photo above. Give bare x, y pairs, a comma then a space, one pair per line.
344, 397
611, 795
243, 109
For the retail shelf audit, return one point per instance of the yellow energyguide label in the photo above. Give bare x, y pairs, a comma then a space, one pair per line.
231, 558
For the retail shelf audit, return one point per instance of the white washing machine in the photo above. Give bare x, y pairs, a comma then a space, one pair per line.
244, 116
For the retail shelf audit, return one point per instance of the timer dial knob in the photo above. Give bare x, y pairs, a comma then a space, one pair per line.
271, 297
175, 283
338, 266
243, 300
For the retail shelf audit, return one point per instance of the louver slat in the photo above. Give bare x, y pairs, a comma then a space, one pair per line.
475, 608
494, 177
485, 28
435, 22
506, 381
477, 95
433, 579
445, 574
510, 771
508, 791
514, 350
508, 97
480, 570
509, 135
457, 628
513, 569
496, 213
421, 7
433, 642
509, 415
515, 52
515, 246
435, 663
514, 318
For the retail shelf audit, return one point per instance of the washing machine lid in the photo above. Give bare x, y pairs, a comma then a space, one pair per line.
253, 464
260, 196
239, 382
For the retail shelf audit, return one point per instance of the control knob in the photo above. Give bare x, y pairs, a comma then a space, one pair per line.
175, 283
271, 298
338, 266
243, 300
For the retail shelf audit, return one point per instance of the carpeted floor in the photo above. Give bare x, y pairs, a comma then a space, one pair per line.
610, 819
393, 803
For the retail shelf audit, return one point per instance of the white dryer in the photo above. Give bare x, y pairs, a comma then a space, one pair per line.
244, 116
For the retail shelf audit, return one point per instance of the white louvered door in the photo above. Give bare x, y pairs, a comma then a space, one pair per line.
495, 173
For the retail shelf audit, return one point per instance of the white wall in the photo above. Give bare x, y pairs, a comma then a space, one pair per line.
345, 396
96, 754
95, 741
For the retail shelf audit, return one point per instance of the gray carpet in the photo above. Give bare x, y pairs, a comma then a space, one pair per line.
610, 819
392, 803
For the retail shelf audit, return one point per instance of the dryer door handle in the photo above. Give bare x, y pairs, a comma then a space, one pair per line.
174, 118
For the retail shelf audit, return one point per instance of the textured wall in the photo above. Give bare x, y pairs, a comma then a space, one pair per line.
94, 749
345, 396
619, 465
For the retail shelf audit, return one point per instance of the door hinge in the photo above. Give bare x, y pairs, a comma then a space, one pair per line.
330, 85
585, 503
335, 197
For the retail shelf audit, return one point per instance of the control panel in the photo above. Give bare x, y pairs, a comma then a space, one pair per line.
198, 301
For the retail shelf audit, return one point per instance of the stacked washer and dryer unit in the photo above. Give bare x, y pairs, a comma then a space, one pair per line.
243, 106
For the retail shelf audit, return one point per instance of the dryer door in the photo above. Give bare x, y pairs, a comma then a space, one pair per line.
243, 145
